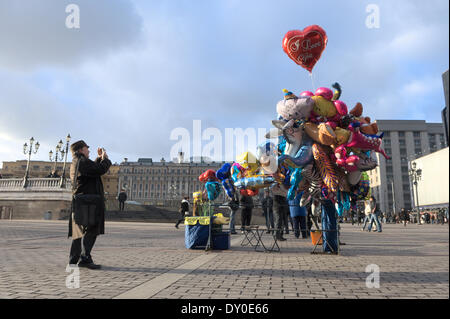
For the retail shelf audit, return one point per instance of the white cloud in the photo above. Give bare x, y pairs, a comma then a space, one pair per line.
36, 35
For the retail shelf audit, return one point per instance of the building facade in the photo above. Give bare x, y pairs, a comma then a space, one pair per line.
403, 141
157, 183
38, 169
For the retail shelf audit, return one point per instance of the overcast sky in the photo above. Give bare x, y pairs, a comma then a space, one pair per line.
135, 70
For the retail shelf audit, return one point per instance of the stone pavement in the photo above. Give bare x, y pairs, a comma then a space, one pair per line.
142, 260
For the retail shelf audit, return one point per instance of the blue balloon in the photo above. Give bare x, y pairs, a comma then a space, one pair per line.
296, 178
228, 187
213, 190
224, 172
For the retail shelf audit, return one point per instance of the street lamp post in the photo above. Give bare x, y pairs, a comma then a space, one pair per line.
57, 151
63, 177
393, 196
28, 150
415, 175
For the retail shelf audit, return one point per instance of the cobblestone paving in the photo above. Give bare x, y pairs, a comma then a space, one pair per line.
413, 262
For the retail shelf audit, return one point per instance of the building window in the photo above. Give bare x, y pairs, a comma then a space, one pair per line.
401, 134
403, 151
416, 134
402, 142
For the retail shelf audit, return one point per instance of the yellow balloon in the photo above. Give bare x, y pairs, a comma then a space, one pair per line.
323, 107
249, 162
342, 135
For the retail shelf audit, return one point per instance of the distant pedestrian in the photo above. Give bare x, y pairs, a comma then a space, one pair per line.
367, 213
375, 214
53, 174
267, 206
403, 216
184, 210
122, 199
280, 210
246, 212
234, 206
353, 210
298, 215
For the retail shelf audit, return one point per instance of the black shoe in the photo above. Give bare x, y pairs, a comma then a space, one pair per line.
281, 239
90, 265
176, 226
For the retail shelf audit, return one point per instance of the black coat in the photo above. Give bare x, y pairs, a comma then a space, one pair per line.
247, 202
122, 197
89, 182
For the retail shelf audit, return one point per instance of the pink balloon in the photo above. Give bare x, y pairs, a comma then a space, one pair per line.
307, 93
341, 107
324, 92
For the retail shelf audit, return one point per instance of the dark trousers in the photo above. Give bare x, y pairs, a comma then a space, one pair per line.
246, 216
182, 215
81, 247
300, 226
280, 213
329, 227
121, 205
268, 215
286, 226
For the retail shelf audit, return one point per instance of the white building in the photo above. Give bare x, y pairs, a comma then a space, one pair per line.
403, 141
433, 185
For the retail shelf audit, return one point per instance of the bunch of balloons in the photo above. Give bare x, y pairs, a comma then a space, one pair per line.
322, 149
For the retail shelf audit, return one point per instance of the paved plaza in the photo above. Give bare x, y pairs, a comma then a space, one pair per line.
150, 261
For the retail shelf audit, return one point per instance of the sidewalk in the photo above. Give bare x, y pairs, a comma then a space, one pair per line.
142, 260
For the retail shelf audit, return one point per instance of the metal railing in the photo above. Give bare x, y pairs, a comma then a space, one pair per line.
14, 184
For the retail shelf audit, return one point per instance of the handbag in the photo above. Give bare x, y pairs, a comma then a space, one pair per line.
85, 207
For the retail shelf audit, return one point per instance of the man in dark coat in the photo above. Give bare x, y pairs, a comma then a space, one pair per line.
122, 199
87, 181
184, 210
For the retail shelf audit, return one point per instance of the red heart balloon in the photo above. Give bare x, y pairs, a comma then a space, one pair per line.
305, 47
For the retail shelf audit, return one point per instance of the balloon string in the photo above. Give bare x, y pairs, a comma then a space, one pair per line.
312, 81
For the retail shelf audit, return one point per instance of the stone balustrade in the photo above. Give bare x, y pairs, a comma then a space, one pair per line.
34, 184
36, 199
